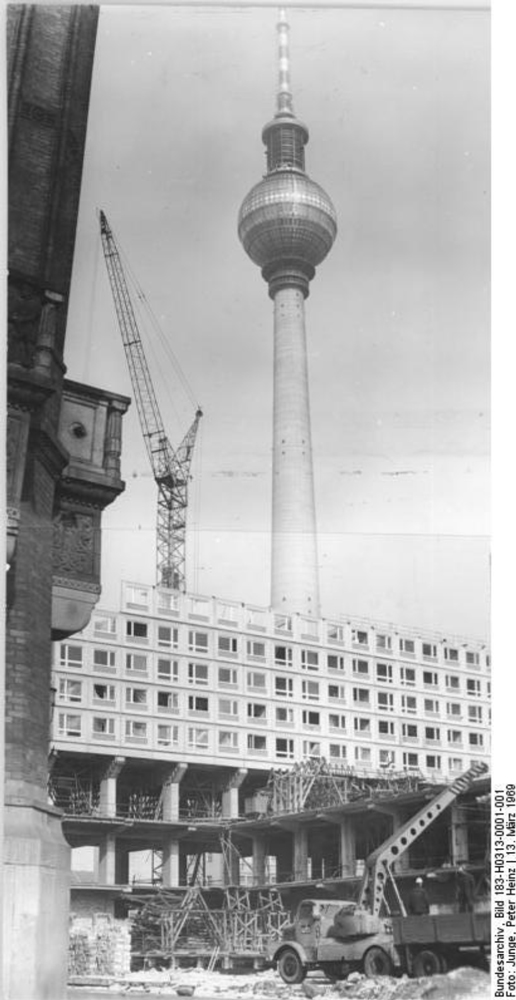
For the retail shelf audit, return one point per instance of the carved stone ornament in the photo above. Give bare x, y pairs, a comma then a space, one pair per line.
74, 545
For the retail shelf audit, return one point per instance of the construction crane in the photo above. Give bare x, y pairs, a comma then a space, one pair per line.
171, 468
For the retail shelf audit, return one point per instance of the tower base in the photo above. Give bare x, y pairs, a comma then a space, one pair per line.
36, 903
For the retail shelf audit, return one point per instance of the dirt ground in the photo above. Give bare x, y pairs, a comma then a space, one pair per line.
465, 983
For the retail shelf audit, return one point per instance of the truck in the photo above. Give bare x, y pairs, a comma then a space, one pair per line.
339, 936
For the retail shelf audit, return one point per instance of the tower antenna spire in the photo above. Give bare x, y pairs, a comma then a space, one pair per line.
284, 97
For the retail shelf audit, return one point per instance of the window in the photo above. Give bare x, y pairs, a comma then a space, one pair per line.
136, 696
361, 696
167, 702
103, 727
311, 748
455, 737
311, 719
383, 641
384, 673
227, 645
335, 632
451, 654
407, 647
228, 741
285, 748
429, 651
198, 739
472, 659
409, 704
198, 704
168, 735
310, 690
228, 677
385, 701
386, 730
337, 721
362, 726
71, 656
137, 631
454, 764
430, 679
337, 692
69, 725
452, 682
197, 641
228, 709
168, 670
255, 650
454, 709
198, 673
361, 667
474, 713
363, 755
411, 761
256, 681
167, 603
137, 598
476, 739
335, 662
168, 638
359, 637
104, 625
283, 687
285, 716
104, 692
309, 659
69, 690
282, 623
256, 710
432, 734
256, 743
431, 706
337, 751
135, 663
473, 688
283, 656
408, 676
386, 758
135, 732
409, 731
433, 762
104, 660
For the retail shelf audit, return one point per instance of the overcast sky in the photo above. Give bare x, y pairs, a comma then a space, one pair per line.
397, 106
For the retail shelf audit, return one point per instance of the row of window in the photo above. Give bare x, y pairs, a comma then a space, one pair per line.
104, 660
230, 645
146, 699
167, 736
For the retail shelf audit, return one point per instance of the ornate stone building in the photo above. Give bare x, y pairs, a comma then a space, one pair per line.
63, 469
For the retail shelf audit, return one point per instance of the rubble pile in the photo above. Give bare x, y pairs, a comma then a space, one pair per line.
99, 946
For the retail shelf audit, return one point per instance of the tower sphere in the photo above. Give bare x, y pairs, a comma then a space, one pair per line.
287, 217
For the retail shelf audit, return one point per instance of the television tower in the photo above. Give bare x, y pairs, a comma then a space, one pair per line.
287, 225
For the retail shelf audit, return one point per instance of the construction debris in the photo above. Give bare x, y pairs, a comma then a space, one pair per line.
99, 946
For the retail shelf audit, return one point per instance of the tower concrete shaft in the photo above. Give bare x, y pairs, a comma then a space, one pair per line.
287, 225
294, 569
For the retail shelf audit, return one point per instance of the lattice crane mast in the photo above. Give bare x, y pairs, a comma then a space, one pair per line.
171, 468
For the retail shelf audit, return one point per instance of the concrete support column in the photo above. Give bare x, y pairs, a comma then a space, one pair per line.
183, 866
259, 857
170, 793
459, 844
300, 855
284, 867
108, 787
347, 845
107, 860
171, 866
121, 867
230, 805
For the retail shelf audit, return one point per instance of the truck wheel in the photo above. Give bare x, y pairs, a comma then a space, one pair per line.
377, 963
290, 967
426, 963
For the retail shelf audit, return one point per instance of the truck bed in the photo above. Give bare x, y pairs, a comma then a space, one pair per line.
443, 928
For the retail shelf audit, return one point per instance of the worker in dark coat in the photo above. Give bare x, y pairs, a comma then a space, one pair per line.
465, 890
418, 903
